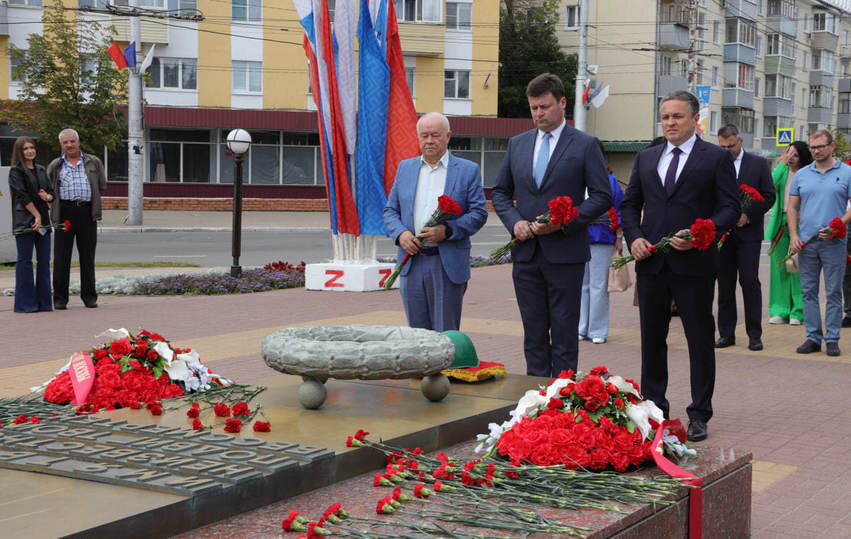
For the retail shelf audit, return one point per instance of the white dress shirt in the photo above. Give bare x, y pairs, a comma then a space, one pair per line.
556, 133
686, 147
430, 184
737, 162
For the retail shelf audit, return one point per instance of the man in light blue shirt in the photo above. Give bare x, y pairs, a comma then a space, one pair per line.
820, 193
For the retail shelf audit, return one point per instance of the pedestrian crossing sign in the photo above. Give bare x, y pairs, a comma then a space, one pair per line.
785, 136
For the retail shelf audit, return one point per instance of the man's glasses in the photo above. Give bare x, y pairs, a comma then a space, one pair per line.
820, 146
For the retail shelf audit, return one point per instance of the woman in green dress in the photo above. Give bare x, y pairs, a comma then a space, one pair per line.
784, 292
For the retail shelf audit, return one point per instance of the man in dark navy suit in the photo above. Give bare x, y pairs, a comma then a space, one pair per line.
550, 161
740, 253
671, 186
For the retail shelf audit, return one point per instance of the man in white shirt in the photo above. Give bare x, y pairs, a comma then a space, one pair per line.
434, 280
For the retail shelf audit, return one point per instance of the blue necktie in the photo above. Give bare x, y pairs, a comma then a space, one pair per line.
543, 159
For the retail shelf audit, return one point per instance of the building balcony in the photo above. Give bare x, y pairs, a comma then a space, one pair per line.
673, 36
153, 30
844, 85
782, 65
743, 54
423, 39
819, 115
782, 25
844, 52
737, 97
821, 78
670, 83
777, 106
824, 40
745, 9
4, 19
843, 120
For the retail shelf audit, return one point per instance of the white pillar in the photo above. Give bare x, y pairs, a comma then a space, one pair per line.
581, 73
135, 135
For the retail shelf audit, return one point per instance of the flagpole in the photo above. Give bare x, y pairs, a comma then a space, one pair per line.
581, 76
135, 135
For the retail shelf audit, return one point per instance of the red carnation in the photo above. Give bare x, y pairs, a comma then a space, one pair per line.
613, 218
420, 491
196, 424
562, 211
240, 409
120, 348
194, 411
750, 192
155, 407
448, 205
555, 404
66, 225
20, 419
360, 434
233, 425
35, 420
703, 234
221, 410
262, 426
293, 522
838, 227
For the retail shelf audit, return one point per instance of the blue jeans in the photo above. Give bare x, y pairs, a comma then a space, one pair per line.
33, 294
818, 256
594, 311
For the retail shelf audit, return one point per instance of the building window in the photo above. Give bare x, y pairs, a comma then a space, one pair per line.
756, 82
456, 84
418, 10
824, 60
783, 8
738, 76
821, 97
684, 68
25, 2
805, 62
781, 45
459, 16
174, 73
845, 38
714, 75
794, 93
247, 77
713, 122
825, 22
844, 103
411, 79
756, 127
15, 74
571, 19
741, 31
716, 32
758, 46
247, 10
742, 118
667, 65
778, 86
700, 71
804, 98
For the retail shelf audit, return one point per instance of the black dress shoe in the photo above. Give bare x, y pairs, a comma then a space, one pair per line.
846, 322
755, 345
833, 349
696, 430
724, 342
92, 305
809, 347
60, 306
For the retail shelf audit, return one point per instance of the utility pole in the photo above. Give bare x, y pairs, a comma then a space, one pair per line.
581, 74
692, 46
135, 134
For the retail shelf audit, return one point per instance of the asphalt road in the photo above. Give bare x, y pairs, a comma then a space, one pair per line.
212, 248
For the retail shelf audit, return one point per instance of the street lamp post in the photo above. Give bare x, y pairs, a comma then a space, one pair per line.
238, 142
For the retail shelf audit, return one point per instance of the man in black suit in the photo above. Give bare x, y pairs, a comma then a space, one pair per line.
740, 253
671, 186
550, 161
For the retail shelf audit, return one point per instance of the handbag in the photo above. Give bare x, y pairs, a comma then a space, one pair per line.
792, 264
619, 279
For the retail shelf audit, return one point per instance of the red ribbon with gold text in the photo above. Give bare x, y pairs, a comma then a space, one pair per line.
695, 500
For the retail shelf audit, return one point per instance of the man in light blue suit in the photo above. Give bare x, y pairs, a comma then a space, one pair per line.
435, 279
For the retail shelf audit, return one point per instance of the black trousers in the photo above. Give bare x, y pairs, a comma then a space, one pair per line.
84, 231
739, 258
694, 295
549, 297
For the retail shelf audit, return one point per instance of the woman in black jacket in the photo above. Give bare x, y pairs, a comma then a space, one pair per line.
31, 193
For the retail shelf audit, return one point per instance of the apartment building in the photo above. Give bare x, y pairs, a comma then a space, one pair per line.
244, 66
769, 64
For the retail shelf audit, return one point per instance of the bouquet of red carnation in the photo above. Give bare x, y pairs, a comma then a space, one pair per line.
748, 195
562, 212
614, 222
836, 225
446, 209
701, 235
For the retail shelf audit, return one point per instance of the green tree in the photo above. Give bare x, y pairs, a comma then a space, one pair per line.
69, 80
843, 146
528, 46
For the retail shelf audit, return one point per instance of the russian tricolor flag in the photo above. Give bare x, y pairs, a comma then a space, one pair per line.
123, 59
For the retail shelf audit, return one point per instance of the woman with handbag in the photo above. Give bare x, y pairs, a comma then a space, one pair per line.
31, 193
785, 303
605, 243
